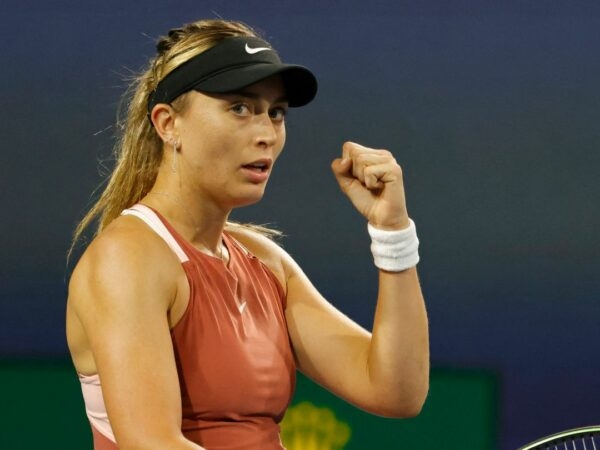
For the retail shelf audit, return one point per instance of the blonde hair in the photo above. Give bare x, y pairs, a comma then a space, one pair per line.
139, 150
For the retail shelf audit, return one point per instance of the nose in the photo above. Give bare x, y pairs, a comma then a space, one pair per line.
266, 131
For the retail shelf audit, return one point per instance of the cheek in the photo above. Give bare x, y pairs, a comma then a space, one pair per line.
281, 143
204, 144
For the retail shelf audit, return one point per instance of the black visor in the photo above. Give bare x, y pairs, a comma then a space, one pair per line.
233, 64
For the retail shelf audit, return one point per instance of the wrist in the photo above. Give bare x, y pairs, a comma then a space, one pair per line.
394, 250
400, 224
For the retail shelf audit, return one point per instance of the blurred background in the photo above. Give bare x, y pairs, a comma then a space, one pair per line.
492, 109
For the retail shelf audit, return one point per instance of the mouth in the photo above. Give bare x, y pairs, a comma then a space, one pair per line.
260, 166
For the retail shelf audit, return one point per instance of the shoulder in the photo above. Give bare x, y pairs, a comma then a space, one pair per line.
127, 256
126, 242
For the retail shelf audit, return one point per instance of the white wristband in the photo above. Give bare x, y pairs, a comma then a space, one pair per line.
394, 251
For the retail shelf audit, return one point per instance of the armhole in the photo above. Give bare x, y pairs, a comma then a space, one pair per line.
150, 218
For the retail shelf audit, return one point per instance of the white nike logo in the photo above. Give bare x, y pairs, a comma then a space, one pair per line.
242, 306
252, 51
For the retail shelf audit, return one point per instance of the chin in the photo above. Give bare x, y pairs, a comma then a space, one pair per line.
248, 200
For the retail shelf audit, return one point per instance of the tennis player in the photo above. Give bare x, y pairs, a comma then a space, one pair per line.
186, 329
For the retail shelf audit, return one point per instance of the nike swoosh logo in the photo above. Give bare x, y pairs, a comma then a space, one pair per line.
242, 307
253, 50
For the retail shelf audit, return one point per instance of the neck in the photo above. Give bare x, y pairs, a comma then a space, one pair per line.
193, 220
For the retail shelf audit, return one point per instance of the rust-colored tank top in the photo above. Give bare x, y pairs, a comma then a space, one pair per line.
232, 349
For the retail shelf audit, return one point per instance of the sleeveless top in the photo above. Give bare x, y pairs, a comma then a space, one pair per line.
232, 350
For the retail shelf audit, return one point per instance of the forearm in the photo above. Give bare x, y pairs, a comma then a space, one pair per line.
398, 355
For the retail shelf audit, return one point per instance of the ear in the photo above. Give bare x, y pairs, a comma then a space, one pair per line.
163, 118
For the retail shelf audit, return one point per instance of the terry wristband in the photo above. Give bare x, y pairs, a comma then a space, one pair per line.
394, 251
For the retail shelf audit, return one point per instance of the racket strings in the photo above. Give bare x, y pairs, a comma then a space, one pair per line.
573, 443
584, 438
581, 443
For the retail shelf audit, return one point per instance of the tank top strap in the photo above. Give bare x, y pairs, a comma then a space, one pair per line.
150, 218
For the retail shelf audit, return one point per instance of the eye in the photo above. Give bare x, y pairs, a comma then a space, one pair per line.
241, 109
278, 113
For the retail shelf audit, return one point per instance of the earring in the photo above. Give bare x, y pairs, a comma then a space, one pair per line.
173, 143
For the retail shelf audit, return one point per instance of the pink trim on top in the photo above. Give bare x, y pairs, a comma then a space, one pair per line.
94, 405
151, 219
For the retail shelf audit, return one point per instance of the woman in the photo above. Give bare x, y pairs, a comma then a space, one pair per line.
186, 329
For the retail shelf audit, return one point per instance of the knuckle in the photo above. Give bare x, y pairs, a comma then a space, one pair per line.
385, 152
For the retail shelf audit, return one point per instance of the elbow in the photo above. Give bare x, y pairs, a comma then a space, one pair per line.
411, 408
406, 408
404, 404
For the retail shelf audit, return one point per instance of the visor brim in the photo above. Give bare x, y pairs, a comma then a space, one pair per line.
299, 82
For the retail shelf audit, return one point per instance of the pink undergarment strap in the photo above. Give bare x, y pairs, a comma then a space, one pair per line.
151, 219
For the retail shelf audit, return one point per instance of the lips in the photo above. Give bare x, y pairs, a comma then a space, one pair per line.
262, 165
257, 171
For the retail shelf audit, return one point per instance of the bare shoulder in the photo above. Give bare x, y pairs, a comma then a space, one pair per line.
126, 255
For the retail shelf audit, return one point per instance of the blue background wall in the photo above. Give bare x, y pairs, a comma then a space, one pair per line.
492, 108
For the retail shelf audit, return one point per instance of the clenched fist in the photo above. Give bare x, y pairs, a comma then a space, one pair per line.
372, 180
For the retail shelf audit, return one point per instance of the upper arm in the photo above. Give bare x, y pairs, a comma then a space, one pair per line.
312, 321
330, 347
121, 296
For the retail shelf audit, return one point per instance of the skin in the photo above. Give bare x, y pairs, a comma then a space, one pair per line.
119, 317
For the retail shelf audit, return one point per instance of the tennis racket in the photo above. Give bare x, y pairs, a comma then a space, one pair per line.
584, 438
